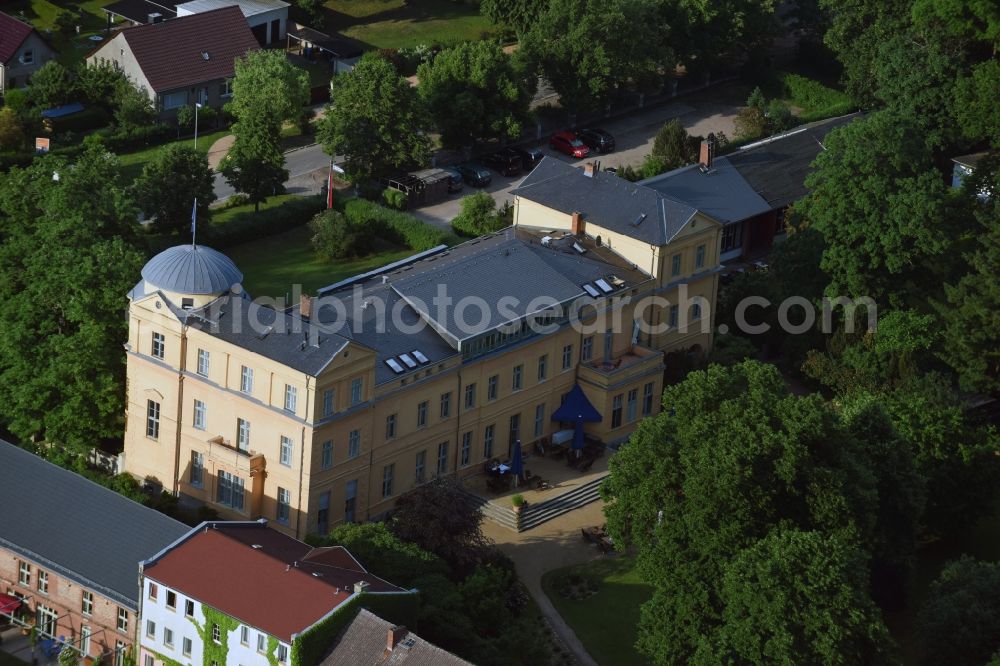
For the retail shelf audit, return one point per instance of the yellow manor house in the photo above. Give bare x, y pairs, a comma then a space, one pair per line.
327, 411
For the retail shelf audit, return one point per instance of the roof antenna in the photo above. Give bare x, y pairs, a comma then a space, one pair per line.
194, 223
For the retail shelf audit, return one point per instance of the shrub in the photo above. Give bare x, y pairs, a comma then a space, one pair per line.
479, 216
66, 21
335, 237
674, 146
750, 123
232, 226
517, 500
12, 136
652, 165
393, 225
185, 117
816, 100
394, 198
16, 99
629, 173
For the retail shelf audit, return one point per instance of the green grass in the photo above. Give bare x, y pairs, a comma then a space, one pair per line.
606, 622
815, 100
385, 24
42, 14
271, 265
132, 163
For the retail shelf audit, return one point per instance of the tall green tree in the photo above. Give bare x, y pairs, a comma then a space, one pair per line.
960, 622
268, 89
66, 262
169, 185
674, 146
255, 165
100, 83
52, 85
518, 14
375, 120
473, 93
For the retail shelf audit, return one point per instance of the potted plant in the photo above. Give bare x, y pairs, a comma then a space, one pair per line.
518, 501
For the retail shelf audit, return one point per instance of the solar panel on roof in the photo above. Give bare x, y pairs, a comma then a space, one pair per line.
394, 365
419, 355
590, 290
405, 358
604, 286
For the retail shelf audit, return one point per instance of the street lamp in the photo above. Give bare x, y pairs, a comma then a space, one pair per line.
197, 105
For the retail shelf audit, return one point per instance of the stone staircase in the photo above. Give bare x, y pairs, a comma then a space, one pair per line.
502, 515
534, 515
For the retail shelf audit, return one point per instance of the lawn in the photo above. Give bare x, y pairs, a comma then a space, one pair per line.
271, 265
394, 24
132, 163
607, 621
42, 13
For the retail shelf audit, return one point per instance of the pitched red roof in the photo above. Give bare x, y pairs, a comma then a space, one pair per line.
12, 35
262, 577
170, 52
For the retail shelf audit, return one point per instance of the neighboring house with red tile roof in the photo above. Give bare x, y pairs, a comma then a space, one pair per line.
246, 588
184, 60
372, 641
22, 52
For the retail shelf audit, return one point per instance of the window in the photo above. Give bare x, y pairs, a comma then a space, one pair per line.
323, 513
543, 367
491, 387
675, 265
246, 379
647, 399
539, 419
203, 362
150, 629
197, 469
216, 633
470, 396
148, 660
466, 448
356, 388
171, 599
243, 435
85, 640
158, 344
87, 605
199, 415
284, 501
695, 312
153, 590
732, 236
43, 581
354, 444
442, 458
699, 257
122, 620
291, 398
387, 473
261, 643
631, 405
119, 653
186, 646
422, 414
609, 344
587, 349
282, 653
152, 419
515, 432
328, 402
168, 637
515, 382
24, 574
188, 608
672, 321
175, 100
326, 455
488, 440
567, 357
445, 405
226, 88
420, 466
230, 490
46, 619
616, 411
285, 453
390, 426
27, 57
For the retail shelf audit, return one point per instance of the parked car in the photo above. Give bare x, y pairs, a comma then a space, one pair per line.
505, 161
566, 142
474, 174
530, 157
455, 179
597, 140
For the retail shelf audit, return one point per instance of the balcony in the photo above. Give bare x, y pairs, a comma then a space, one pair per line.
638, 361
220, 448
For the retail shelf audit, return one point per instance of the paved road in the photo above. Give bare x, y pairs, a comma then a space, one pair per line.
302, 164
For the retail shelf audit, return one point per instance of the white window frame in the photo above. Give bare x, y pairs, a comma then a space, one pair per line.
158, 347
43, 581
199, 415
291, 398
204, 362
286, 451
328, 402
283, 511
246, 379
152, 419
357, 390
122, 621
24, 573
243, 435
197, 463
87, 603
353, 444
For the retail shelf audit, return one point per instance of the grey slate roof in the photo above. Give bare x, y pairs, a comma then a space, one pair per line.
607, 200
75, 528
192, 269
365, 638
721, 192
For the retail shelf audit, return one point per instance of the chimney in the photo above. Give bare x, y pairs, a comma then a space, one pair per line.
578, 224
360, 587
588, 169
305, 305
707, 153
394, 635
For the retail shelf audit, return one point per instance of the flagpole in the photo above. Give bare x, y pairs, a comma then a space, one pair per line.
194, 222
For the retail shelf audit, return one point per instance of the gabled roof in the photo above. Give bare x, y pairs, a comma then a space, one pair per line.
73, 527
248, 7
12, 35
607, 200
171, 53
365, 641
263, 578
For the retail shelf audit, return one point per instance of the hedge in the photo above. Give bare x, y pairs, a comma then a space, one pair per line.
240, 224
395, 226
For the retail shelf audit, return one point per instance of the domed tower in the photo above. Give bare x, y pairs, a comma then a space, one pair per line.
189, 276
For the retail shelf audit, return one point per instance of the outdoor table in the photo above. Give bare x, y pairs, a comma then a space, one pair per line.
503, 468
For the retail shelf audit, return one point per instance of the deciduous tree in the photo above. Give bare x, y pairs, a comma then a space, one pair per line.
674, 146
255, 164
268, 89
960, 622
11, 131
52, 85
169, 185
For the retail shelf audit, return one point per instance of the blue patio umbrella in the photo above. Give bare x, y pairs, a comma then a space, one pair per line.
576, 409
517, 462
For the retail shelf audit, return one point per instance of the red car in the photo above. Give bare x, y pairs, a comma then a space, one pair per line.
566, 142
